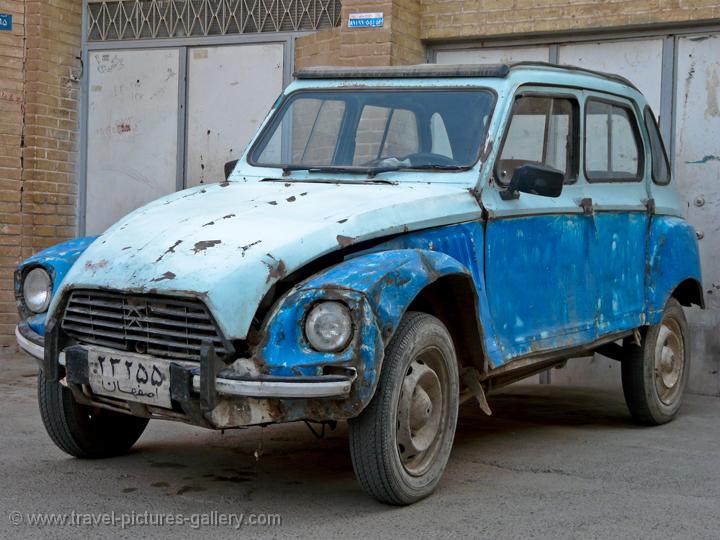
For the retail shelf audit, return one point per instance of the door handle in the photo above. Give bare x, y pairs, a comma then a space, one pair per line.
587, 206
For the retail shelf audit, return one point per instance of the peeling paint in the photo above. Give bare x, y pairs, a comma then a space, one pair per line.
166, 275
202, 245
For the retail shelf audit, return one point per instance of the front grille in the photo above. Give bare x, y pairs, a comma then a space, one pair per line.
159, 326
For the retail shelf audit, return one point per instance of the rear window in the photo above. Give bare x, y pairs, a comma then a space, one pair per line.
613, 151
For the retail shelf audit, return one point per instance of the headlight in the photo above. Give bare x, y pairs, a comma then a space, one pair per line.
328, 327
37, 290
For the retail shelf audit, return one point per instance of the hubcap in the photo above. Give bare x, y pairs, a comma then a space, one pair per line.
669, 361
421, 412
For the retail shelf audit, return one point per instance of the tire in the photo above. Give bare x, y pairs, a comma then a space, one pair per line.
83, 431
401, 442
654, 375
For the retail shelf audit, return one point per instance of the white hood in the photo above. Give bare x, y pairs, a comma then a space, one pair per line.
230, 242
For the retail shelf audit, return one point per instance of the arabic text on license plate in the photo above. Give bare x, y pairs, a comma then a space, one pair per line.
130, 377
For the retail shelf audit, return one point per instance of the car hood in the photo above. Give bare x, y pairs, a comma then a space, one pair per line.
229, 243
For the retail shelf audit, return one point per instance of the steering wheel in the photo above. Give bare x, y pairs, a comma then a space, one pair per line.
430, 158
417, 158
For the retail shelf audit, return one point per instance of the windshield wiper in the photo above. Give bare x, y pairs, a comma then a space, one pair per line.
424, 167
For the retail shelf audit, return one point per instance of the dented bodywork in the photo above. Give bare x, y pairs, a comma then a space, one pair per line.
519, 282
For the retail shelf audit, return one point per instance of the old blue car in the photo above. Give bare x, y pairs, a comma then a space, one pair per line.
393, 242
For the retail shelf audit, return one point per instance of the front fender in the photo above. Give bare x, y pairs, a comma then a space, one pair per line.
56, 260
378, 288
672, 258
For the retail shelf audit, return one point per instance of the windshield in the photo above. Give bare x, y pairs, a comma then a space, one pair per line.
371, 131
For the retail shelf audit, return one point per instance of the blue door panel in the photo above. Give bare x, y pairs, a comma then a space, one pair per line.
618, 263
541, 292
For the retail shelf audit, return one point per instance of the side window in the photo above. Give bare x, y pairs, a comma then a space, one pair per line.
660, 164
542, 131
612, 143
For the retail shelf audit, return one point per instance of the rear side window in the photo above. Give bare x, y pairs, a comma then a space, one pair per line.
660, 163
542, 131
613, 152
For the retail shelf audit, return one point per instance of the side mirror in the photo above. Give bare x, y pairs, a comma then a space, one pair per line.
536, 180
230, 167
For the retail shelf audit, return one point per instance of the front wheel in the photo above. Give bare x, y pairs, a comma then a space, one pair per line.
83, 431
654, 374
401, 442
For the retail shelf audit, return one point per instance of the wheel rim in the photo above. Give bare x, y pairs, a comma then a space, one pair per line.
421, 412
669, 361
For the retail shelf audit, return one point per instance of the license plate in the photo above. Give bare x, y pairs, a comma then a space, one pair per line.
131, 377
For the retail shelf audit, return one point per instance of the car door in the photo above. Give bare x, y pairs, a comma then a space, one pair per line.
540, 289
615, 168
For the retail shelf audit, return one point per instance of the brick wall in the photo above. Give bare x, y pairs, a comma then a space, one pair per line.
463, 19
38, 135
397, 42
12, 53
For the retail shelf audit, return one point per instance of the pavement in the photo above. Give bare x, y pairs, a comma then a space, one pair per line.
552, 462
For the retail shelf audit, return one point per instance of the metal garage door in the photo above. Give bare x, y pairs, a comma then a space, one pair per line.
132, 131
230, 90
141, 143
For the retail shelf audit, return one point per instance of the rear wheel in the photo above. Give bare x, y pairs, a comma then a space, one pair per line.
401, 442
83, 431
654, 374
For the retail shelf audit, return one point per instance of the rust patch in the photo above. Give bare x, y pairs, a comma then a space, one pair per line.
123, 127
171, 249
345, 241
202, 245
248, 246
166, 275
276, 269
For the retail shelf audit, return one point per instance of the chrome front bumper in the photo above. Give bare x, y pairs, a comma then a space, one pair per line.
326, 386
30, 342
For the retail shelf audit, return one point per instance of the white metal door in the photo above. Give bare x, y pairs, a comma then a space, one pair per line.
132, 131
697, 148
506, 55
640, 61
230, 90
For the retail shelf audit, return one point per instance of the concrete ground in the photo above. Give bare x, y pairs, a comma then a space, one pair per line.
552, 462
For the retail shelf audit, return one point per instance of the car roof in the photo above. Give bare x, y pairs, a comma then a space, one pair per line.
436, 71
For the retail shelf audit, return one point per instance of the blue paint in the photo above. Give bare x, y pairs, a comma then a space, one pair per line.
377, 287
537, 279
617, 270
672, 258
57, 260
5, 21
704, 159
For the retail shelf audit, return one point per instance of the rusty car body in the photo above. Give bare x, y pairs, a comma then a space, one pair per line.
215, 284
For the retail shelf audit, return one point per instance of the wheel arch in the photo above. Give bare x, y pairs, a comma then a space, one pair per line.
689, 292
452, 298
